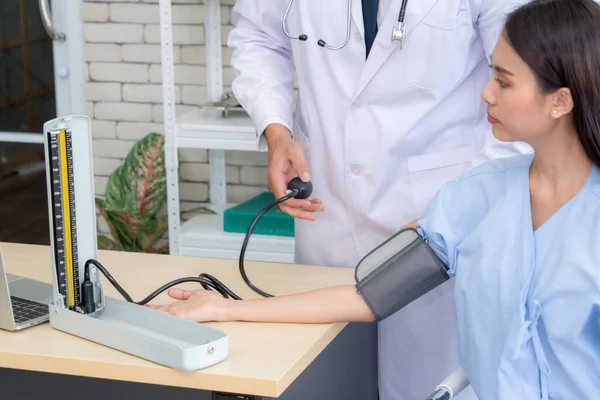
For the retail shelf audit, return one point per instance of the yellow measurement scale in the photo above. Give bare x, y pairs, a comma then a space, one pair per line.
64, 213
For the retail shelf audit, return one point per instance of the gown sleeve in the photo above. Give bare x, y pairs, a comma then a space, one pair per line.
462, 204
435, 226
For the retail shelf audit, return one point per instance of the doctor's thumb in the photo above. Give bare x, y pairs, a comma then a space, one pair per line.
300, 165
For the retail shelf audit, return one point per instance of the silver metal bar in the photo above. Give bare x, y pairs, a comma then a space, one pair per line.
47, 20
214, 79
169, 122
21, 137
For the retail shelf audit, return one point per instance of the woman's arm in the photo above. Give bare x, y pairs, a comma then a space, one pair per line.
333, 304
328, 305
411, 224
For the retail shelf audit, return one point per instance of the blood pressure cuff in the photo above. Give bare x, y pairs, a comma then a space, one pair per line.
397, 272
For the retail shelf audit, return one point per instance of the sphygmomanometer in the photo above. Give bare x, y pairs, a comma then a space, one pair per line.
391, 276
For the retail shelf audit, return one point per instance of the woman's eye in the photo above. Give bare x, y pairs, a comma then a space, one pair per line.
501, 83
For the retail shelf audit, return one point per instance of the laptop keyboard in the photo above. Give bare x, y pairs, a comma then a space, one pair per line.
26, 310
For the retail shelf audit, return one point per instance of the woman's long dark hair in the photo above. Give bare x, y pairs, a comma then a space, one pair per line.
560, 41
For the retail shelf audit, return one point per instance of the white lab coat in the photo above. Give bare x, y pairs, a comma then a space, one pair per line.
381, 136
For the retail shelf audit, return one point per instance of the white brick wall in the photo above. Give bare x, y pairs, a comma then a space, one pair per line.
124, 93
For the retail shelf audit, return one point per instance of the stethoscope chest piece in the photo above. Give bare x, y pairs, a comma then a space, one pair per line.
398, 34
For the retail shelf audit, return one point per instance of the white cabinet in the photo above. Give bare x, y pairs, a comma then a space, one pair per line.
203, 235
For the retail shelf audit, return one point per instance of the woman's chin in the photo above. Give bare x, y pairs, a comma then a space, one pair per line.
501, 134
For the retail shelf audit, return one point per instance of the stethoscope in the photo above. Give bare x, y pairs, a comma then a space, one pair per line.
397, 31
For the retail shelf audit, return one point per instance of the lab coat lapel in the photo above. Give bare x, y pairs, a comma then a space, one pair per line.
383, 46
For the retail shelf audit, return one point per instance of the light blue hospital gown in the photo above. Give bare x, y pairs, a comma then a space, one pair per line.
527, 303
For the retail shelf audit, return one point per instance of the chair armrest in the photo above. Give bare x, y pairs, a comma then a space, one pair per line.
452, 385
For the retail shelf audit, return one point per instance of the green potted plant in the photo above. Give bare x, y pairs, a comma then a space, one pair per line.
135, 195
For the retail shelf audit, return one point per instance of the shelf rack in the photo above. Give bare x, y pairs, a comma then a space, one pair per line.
203, 235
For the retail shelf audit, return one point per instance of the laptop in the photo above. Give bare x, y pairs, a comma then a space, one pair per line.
23, 301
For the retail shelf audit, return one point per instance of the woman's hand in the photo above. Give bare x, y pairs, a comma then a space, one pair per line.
196, 305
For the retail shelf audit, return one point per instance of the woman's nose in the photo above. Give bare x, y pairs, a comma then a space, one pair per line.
487, 94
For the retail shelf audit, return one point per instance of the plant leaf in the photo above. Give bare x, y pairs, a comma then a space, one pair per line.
151, 231
140, 231
152, 187
139, 185
106, 243
164, 249
125, 225
135, 194
101, 207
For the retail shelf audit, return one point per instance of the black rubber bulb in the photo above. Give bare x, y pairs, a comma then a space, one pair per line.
304, 188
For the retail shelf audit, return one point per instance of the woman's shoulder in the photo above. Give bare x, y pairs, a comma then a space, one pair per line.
492, 170
471, 196
488, 181
463, 203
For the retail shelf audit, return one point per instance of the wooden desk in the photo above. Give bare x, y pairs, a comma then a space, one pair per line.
264, 359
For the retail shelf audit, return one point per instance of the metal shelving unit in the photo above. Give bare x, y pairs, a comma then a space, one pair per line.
203, 235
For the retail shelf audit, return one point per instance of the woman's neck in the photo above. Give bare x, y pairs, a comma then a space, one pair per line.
560, 164
558, 172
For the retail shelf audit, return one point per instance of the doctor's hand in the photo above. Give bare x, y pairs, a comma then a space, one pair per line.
195, 305
286, 161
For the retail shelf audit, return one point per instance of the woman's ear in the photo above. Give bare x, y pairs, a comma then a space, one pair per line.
562, 102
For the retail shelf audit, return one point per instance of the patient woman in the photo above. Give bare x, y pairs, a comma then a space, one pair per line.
521, 235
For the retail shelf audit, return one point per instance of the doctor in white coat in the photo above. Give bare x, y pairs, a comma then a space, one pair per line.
377, 134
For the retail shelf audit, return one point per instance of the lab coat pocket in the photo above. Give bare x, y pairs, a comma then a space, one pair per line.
437, 50
428, 172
